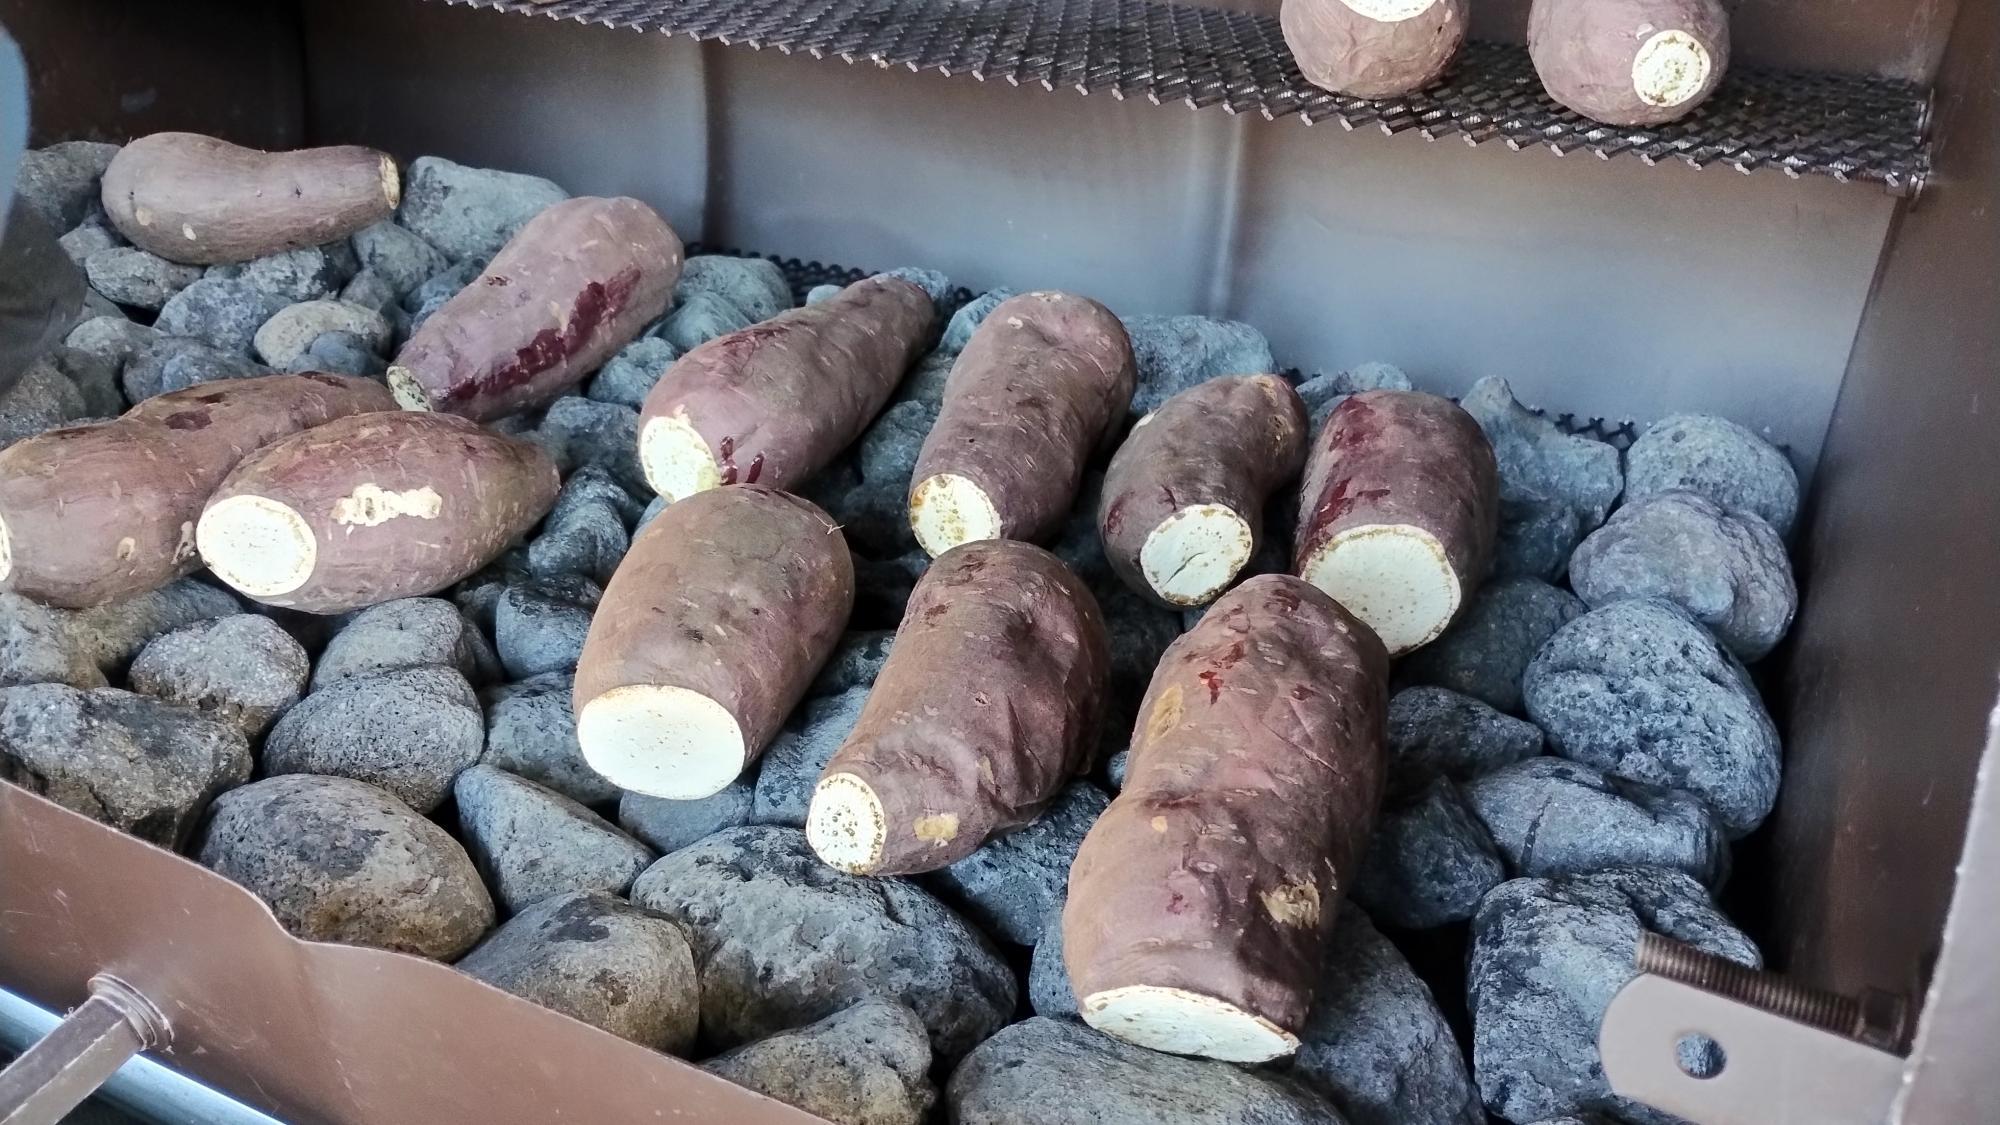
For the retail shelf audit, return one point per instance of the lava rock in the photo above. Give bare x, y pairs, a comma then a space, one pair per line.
1140, 633
370, 291
1045, 1071
95, 378
61, 181
652, 510
1538, 461
533, 843
1535, 539
281, 338
855, 662
110, 337
1375, 1041
1728, 571
1049, 990
1177, 352
173, 363
409, 731
792, 766
820, 293
700, 318
539, 624
867, 1064
339, 353
1436, 732
531, 732
1551, 816
224, 313
628, 377
88, 239
470, 213
396, 255
1641, 690
784, 939
440, 287
1487, 649
341, 860
131, 276
41, 400
597, 958
925, 382
1115, 766
754, 287
668, 826
585, 531
406, 633
242, 670
1009, 885
1429, 862
1718, 459
958, 331
309, 273
130, 761
578, 432
1322, 393
37, 646
882, 588
43, 644
934, 283
1547, 957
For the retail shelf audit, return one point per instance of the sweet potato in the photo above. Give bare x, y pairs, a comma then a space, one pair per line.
200, 200
96, 513
1200, 901
1038, 387
372, 508
774, 403
707, 637
579, 281
1183, 502
989, 704
1373, 48
1629, 62
1398, 513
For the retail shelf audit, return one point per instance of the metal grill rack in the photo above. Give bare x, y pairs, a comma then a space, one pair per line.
1853, 128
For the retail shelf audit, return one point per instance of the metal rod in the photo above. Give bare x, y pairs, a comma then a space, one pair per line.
66, 1066
1876, 1019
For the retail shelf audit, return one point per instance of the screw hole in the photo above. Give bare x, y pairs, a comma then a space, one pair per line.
1699, 1056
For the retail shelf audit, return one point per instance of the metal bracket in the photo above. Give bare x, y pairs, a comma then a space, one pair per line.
68, 1064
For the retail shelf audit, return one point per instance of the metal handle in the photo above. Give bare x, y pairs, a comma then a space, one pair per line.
68, 1064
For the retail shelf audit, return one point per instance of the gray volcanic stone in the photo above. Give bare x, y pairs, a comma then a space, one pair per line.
131, 276
1177, 352
820, 293
43, 644
867, 1064
1045, 1071
628, 377
340, 860
925, 382
533, 843
369, 290
578, 432
668, 826
1375, 1041
41, 400
1322, 393
1009, 885
133, 762
585, 530
61, 181
224, 313
110, 337
470, 213
1718, 459
397, 255
958, 331
88, 239
1535, 539
281, 339
599, 959
783, 939
339, 353
1437, 732
699, 318
95, 378
1538, 461
1114, 769
1641, 690
409, 731
539, 624
755, 287
791, 767
1552, 816
436, 289
1079, 545
1049, 990
243, 670
1487, 649
855, 663
1547, 957
1140, 633
1429, 862
934, 283
406, 633
531, 731
309, 273
882, 588
874, 512
173, 363
1728, 571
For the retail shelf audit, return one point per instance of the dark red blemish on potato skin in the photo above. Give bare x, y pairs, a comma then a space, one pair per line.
1336, 502
1114, 514
756, 468
1213, 680
187, 420
498, 281
599, 302
1177, 904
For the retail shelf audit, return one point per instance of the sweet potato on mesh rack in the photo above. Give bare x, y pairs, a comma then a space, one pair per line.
1629, 62
1373, 48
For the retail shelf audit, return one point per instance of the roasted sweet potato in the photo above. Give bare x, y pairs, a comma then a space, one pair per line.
1373, 48
1183, 502
579, 281
1200, 901
989, 704
1629, 62
196, 199
774, 403
1398, 513
372, 508
97, 513
707, 637
1039, 386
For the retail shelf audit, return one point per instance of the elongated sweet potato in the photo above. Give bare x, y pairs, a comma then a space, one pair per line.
1183, 501
1039, 386
1373, 48
200, 200
774, 403
1398, 513
372, 508
1629, 62
989, 704
1200, 900
579, 281
97, 513
707, 637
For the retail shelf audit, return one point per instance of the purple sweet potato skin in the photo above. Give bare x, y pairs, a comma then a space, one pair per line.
1228, 441
1256, 771
778, 401
574, 285
1583, 51
1342, 50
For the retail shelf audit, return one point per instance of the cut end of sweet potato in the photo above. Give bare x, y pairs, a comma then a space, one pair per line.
676, 458
1194, 554
662, 741
258, 545
1181, 1022
948, 509
6, 550
1394, 577
409, 393
1670, 68
846, 825
392, 182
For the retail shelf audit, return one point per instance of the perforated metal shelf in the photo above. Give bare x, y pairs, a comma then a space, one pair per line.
1849, 127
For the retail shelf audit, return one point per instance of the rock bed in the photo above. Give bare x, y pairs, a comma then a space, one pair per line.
1568, 764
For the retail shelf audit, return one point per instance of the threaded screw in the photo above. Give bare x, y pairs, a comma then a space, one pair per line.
1877, 1019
